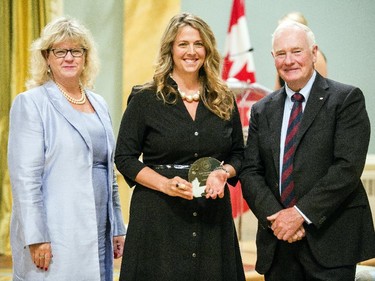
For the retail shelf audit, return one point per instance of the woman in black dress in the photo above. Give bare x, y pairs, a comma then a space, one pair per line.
186, 113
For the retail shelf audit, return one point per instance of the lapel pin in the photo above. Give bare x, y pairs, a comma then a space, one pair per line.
321, 98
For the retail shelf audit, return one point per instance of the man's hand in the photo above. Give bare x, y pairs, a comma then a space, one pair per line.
298, 235
287, 225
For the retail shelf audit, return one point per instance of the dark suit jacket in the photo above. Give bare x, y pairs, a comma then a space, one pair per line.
331, 151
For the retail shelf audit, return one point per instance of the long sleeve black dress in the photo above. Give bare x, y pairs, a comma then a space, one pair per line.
170, 238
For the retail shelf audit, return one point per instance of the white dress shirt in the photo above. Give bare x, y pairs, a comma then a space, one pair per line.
305, 92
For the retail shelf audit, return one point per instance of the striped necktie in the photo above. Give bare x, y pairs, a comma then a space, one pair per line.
288, 198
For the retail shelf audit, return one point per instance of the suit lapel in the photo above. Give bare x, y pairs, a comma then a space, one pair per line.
274, 113
69, 113
317, 98
274, 110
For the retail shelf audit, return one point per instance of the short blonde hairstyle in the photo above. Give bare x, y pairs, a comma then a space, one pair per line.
294, 16
60, 30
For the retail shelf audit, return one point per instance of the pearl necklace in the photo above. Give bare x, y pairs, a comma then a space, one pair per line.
80, 101
190, 98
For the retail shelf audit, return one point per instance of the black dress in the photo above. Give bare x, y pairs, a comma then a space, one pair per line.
170, 238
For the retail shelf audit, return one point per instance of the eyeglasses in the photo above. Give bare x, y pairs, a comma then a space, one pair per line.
61, 53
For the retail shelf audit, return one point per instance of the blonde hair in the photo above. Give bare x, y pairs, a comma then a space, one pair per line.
216, 95
57, 31
294, 16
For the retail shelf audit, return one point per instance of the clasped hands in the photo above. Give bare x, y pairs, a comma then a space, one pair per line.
287, 225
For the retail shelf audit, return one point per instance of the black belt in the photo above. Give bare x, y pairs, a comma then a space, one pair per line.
170, 166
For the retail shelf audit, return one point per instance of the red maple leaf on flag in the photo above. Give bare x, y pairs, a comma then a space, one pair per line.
238, 60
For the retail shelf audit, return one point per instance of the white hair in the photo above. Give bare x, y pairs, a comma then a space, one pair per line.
295, 25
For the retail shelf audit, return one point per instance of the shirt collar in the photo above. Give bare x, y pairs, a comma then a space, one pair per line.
305, 91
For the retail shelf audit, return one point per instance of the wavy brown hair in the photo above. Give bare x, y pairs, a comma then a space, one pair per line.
216, 95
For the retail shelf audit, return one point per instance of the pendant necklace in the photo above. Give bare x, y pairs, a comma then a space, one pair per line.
190, 98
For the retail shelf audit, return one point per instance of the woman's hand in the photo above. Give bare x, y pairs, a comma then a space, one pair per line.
41, 255
215, 183
176, 186
179, 187
118, 246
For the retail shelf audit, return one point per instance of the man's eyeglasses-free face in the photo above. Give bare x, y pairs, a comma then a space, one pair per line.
61, 53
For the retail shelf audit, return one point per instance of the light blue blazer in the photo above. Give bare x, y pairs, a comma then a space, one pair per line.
50, 164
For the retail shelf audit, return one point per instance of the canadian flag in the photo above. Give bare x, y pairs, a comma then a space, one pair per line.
238, 60
238, 66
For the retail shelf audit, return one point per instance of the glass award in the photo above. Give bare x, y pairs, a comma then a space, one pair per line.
198, 174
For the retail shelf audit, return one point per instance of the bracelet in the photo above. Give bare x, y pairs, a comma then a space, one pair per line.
222, 168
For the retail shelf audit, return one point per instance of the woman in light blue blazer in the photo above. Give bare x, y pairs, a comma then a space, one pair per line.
66, 220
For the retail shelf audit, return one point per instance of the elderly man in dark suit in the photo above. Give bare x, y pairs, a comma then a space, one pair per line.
301, 174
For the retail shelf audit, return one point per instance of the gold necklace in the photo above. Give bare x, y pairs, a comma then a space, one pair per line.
190, 98
80, 101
